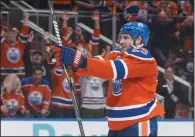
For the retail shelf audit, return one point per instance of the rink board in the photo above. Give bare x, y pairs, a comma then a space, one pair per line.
92, 127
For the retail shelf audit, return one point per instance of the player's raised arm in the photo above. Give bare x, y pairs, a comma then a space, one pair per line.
66, 31
130, 60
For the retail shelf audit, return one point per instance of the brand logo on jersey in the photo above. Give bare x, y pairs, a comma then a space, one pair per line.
66, 86
77, 58
135, 50
116, 86
35, 98
13, 54
144, 51
12, 106
94, 82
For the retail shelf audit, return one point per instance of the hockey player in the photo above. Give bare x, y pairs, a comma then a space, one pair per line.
132, 108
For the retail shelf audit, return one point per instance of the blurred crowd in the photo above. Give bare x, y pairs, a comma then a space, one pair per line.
32, 86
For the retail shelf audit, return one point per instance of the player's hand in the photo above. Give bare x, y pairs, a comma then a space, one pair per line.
31, 36
70, 31
26, 18
44, 113
3, 33
68, 57
4, 109
53, 54
16, 30
65, 16
46, 38
96, 16
24, 112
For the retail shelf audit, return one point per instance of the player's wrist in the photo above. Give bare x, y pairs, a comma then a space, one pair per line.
84, 64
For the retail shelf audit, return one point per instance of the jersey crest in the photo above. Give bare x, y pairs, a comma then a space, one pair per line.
94, 83
35, 98
116, 86
66, 86
13, 55
12, 105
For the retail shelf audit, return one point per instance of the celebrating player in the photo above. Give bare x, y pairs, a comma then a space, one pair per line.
131, 107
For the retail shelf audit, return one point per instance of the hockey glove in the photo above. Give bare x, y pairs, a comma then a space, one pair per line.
68, 57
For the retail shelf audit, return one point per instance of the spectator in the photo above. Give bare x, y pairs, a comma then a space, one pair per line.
131, 11
12, 50
33, 57
37, 93
93, 100
171, 90
62, 105
13, 104
79, 40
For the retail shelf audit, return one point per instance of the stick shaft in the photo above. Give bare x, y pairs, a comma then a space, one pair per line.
66, 70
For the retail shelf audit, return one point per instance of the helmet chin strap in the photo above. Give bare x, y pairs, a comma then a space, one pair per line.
136, 46
133, 43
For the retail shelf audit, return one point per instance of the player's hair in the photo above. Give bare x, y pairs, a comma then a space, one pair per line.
11, 83
37, 67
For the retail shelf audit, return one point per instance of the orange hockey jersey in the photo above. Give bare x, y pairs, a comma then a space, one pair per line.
37, 97
14, 102
131, 95
11, 57
61, 95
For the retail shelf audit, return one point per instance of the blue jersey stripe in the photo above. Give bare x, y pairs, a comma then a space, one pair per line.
58, 72
12, 71
93, 97
120, 69
130, 112
95, 40
23, 38
90, 103
61, 101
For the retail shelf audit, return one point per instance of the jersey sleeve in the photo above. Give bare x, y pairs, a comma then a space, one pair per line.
64, 35
24, 83
23, 37
1, 37
58, 71
2, 97
22, 102
94, 41
130, 66
46, 96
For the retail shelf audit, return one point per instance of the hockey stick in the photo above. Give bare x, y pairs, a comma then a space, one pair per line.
66, 70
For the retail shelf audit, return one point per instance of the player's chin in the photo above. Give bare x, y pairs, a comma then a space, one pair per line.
124, 48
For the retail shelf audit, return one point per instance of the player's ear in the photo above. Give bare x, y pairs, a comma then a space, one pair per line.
139, 40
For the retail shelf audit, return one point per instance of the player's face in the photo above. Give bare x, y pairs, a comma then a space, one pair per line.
125, 41
169, 73
36, 59
36, 76
12, 38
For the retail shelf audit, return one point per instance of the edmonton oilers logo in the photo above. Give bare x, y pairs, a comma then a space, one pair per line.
66, 86
35, 98
94, 82
13, 54
116, 86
